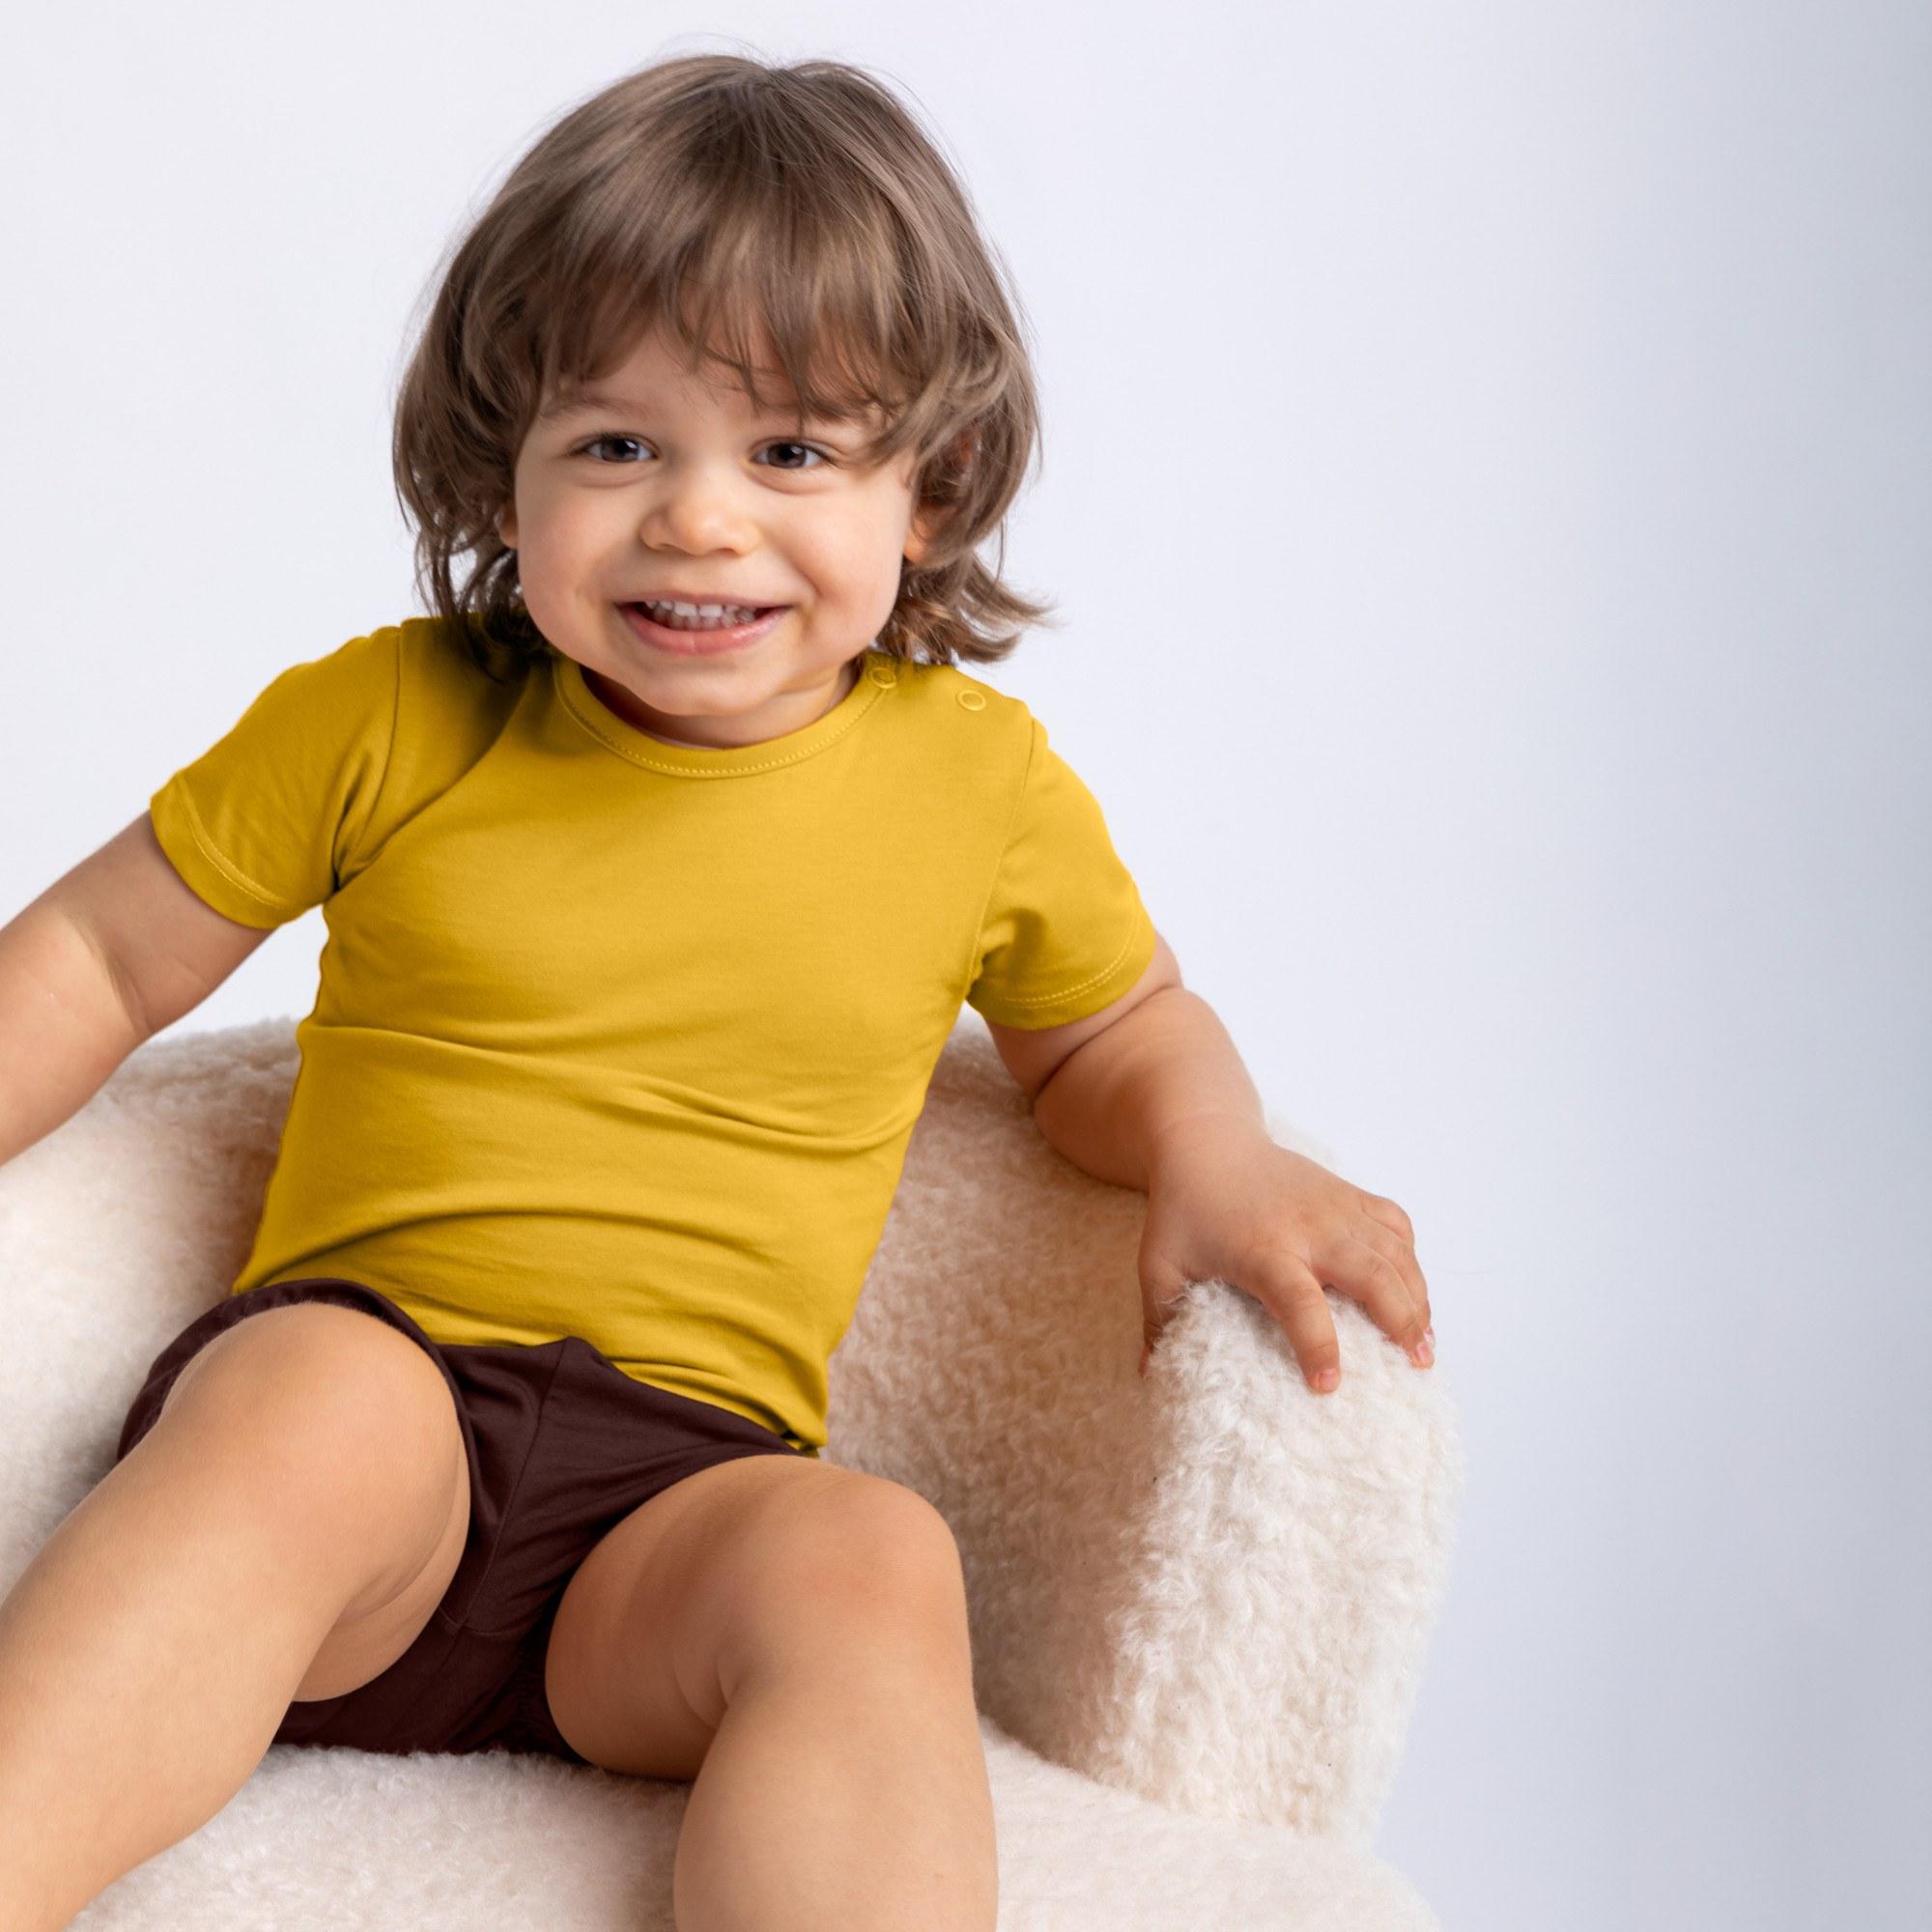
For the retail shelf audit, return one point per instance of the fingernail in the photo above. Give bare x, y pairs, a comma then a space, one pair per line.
1327, 1378
1425, 1354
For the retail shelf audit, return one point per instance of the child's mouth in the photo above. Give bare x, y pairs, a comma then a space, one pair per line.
701, 640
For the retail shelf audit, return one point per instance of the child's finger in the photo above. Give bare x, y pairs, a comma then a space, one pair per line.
1374, 1278
1378, 1227
1292, 1294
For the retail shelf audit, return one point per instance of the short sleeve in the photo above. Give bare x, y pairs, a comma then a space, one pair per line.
266, 823
1063, 932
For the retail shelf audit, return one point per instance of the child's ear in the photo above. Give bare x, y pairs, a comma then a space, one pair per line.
926, 521
506, 526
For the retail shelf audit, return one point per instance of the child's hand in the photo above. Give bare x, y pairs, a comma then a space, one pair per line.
1224, 1200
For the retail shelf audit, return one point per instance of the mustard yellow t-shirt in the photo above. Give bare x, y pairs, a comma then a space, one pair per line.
622, 1038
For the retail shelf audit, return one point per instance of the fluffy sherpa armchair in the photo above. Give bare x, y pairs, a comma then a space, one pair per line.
1199, 1603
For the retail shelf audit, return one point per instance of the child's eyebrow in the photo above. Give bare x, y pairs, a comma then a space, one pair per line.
575, 402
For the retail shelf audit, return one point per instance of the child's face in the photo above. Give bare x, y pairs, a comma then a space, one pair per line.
673, 486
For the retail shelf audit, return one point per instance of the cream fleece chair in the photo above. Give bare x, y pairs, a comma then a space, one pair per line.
1198, 1603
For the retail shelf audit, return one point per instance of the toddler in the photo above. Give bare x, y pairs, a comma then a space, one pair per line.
656, 863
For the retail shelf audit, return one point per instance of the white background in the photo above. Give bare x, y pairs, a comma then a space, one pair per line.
1487, 482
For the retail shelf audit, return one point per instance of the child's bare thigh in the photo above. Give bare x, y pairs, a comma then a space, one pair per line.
765, 1565
357, 1431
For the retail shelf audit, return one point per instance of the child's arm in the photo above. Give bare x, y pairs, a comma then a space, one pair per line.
111, 952
1150, 1092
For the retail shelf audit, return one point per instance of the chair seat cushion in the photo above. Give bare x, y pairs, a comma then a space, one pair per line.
326, 1840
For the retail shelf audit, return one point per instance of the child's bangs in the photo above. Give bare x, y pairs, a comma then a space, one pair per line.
795, 330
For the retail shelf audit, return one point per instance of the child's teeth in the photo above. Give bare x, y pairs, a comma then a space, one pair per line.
700, 616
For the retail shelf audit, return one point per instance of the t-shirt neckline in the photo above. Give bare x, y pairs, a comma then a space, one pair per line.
878, 673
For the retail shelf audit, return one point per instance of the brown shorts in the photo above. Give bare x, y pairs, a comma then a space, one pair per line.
562, 1445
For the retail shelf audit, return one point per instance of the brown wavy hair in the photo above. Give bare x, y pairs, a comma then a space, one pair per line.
698, 194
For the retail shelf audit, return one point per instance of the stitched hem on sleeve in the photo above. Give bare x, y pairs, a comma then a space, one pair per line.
181, 834
1080, 1002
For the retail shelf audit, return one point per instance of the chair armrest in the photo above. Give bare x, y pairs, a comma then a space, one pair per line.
115, 1230
1214, 1587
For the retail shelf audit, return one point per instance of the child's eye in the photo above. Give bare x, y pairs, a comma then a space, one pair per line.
584, 449
810, 448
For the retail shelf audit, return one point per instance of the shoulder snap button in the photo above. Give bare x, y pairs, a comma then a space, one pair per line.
971, 701
884, 675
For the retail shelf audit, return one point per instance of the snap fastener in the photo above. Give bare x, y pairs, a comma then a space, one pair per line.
884, 675
973, 700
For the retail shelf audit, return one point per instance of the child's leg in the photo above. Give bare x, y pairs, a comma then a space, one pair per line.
793, 1638
295, 1494
851, 1793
